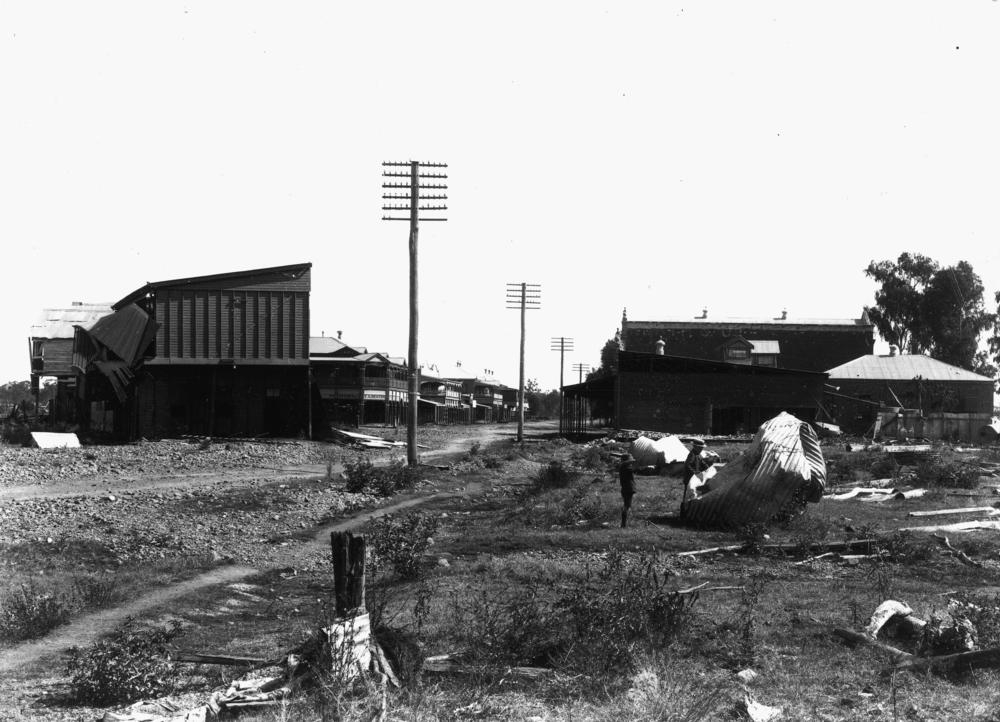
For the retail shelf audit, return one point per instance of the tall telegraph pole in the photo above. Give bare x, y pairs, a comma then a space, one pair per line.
522, 296
419, 177
562, 345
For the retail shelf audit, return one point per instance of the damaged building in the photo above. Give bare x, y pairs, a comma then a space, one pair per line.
224, 354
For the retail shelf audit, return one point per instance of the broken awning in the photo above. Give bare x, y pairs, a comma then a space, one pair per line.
783, 467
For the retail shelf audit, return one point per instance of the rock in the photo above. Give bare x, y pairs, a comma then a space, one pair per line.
746, 676
442, 562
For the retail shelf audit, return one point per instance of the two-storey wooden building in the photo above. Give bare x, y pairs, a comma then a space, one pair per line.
357, 387
223, 354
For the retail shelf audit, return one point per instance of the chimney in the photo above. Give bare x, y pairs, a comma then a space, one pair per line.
892, 350
338, 334
322, 334
660, 345
784, 314
77, 303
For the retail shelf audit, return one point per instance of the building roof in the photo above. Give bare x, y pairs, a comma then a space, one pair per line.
790, 321
59, 322
293, 271
874, 367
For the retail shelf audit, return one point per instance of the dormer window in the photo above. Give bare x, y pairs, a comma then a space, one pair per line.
737, 350
765, 352
737, 353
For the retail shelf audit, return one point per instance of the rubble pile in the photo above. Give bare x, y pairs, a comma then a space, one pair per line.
22, 466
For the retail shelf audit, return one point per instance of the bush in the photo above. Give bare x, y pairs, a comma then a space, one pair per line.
398, 542
363, 476
597, 622
562, 507
131, 664
948, 474
31, 611
553, 476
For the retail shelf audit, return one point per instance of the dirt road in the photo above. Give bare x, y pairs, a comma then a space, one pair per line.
86, 629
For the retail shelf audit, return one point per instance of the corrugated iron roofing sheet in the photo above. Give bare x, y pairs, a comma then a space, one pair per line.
123, 332
783, 466
746, 320
59, 322
902, 367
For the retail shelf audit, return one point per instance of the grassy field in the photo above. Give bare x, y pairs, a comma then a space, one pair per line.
535, 571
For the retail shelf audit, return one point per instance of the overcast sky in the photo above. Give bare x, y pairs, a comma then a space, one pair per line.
660, 156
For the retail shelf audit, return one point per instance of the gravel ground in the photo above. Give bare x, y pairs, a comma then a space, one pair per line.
21, 466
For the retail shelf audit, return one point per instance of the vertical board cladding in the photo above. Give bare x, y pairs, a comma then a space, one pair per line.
245, 318
973, 397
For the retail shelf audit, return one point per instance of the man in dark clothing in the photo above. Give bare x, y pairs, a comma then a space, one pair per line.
693, 465
626, 476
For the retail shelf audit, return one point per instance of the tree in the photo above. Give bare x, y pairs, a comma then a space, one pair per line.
924, 308
609, 360
897, 312
543, 404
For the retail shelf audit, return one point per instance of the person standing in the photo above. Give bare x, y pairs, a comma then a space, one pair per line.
626, 477
694, 465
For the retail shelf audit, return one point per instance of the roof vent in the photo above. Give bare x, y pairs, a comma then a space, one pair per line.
783, 316
660, 346
77, 303
339, 334
704, 313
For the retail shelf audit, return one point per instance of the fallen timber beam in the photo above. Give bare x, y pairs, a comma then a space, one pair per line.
445, 664
980, 658
848, 546
223, 659
859, 638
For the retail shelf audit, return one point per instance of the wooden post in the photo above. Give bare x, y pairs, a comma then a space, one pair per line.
348, 573
414, 389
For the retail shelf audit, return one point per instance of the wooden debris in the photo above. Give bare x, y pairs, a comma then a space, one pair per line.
987, 510
957, 553
197, 658
859, 638
448, 664
964, 526
713, 550
886, 610
980, 658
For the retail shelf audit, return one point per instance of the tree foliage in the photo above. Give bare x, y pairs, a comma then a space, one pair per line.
922, 307
543, 404
609, 361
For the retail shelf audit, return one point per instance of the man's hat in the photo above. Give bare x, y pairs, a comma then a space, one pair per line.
697, 442
627, 458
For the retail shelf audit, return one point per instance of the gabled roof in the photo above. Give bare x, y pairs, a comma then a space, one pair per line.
708, 322
328, 346
59, 322
903, 367
293, 271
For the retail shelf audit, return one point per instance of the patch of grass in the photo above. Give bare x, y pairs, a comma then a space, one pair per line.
948, 474
37, 606
363, 476
398, 542
555, 475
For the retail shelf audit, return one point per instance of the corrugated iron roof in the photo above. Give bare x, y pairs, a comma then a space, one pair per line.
123, 332
294, 270
903, 367
59, 322
765, 346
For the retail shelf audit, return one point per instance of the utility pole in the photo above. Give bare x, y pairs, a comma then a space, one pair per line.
580, 369
419, 177
522, 296
562, 345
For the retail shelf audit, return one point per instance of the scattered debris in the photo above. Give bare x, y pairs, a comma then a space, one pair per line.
783, 468
453, 664
756, 711
365, 440
52, 440
964, 526
957, 553
987, 510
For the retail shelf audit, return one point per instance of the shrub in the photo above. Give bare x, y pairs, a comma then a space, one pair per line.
948, 474
131, 664
562, 507
363, 476
398, 542
360, 474
595, 622
31, 611
553, 476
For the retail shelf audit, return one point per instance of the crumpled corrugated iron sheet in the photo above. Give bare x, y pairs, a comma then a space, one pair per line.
658, 452
783, 466
124, 332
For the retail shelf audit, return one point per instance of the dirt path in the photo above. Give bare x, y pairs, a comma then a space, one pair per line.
88, 628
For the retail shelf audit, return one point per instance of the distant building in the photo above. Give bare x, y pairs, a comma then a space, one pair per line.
50, 341
929, 398
781, 342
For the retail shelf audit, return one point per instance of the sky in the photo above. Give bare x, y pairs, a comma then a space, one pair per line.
662, 157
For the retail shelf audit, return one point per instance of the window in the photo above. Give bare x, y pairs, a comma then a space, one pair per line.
737, 353
765, 359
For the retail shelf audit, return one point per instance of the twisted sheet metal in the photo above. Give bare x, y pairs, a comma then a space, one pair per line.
783, 465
